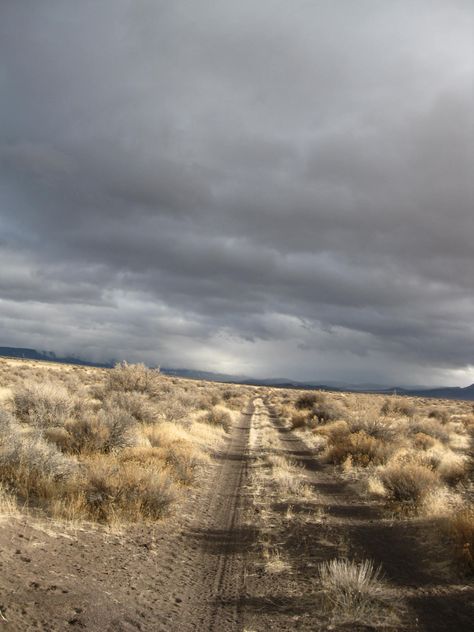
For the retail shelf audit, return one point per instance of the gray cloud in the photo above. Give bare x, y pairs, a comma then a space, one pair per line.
264, 188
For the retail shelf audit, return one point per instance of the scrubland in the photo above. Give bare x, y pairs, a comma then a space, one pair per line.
413, 456
310, 510
108, 446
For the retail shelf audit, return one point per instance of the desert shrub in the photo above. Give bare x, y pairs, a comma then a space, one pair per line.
136, 404
325, 411
423, 441
354, 592
360, 448
180, 459
183, 459
32, 467
408, 483
115, 491
373, 426
398, 405
133, 377
460, 529
176, 407
43, 404
453, 468
178, 448
219, 416
439, 414
110, 429
59, 436
121, 427
431, 427
87, 435
230, 393
334, 430
307, 401
299, 420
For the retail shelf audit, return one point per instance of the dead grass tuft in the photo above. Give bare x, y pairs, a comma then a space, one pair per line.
355, 593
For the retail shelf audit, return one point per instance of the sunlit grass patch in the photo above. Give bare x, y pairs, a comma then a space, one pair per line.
354, 592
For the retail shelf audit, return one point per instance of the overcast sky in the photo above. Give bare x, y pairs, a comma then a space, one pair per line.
272, 188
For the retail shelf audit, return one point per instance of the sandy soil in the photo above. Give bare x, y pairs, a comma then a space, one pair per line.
202, 570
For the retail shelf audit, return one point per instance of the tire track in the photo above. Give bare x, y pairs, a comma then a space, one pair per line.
203, 591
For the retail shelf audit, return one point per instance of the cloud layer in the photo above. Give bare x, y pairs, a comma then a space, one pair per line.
265, 188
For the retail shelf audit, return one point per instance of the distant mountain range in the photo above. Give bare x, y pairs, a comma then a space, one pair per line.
49, 356
442, 392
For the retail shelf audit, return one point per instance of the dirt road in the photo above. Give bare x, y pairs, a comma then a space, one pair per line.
208, 556
183, 574
203, 570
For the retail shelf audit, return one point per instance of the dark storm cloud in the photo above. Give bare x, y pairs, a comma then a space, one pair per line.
272, 187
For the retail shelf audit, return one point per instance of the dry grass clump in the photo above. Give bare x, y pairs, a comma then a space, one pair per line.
301, 420
287, 476
219, 416
453, 468
8, 504
273, 559
307, 401
460, 529
42, 403
311, 409
408, 483
117, 492
355, 593
138, 405
326, 411
398, 406
360, 448
176, 448
32, 468
440, 414
373, 426
431, 427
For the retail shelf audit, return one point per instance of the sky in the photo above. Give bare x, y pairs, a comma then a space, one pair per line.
272, 188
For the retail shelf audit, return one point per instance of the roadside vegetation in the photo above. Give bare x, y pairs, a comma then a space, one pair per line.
413, 455
108, 446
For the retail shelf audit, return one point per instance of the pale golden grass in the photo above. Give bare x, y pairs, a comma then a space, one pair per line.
411, 453
288, 478
355, 593
110, 446
274, 561
5, 394
8, 504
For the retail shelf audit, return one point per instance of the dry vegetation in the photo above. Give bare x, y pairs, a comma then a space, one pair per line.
110, 446
122, 446
413, 454
355, 593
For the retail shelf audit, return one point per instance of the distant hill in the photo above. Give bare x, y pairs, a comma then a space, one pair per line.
443, 392
48, 356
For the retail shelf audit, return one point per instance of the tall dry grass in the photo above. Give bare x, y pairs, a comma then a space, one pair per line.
115, 445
